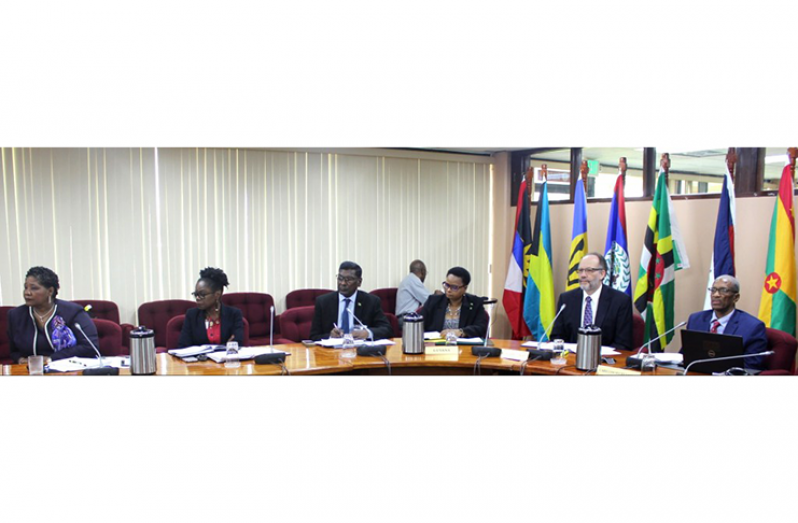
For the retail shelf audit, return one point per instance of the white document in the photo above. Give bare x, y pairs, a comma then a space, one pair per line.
335, 343
548, 345
77, 364
513, 354
432, 335
669, 358
246, 353
471, 341
194, 350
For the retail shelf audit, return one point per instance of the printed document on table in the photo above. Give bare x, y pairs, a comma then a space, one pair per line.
548, 345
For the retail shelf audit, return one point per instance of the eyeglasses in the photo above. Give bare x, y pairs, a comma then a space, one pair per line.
200, 295
588, 270
722, 292
346, 279
454, 288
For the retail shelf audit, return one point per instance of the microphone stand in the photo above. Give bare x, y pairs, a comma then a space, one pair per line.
100, 370
725, 358
644, 362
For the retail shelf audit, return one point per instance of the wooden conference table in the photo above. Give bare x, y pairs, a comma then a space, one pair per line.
317, 360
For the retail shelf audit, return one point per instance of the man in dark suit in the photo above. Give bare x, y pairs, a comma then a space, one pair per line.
595, 303
334, 311
724, 318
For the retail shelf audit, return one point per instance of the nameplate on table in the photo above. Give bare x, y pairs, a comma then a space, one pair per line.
442, 350
604, 370
513, 354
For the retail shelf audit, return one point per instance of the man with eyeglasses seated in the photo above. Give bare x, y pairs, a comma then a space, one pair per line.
597, 304
458, 312
339, 313
724, 318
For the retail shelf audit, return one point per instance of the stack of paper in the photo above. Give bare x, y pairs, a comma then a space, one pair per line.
195, 350
78, 364
571, 347
335, 343
246, 353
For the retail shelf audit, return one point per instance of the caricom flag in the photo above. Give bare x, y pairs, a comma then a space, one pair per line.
663, 255
539, 299
777, 305
517, 272
578, 236
616, 248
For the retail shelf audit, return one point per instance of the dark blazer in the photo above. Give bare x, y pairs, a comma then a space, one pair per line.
22, 331
473, 318
368, 309
613, 317
740, 324
195, 333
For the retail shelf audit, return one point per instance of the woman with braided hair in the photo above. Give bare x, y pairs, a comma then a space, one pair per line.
211, 322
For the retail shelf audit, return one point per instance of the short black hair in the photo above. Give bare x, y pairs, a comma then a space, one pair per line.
351, 266
45, 277
460, 273
215, 278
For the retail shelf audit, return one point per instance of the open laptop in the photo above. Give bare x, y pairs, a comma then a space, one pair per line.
701, 345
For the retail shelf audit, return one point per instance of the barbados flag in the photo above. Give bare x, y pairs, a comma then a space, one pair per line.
663, 255
578, 236
616, 248
777, 305
539, 299
517, 272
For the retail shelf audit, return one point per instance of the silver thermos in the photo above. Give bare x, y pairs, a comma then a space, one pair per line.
588, 348
142, 351
413, 333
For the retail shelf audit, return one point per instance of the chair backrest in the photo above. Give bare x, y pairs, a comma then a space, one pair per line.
638, 331
256, 308
110, 336
101, 309
295, 323
397, 333
303, 298
387, 296
5, 344
784, 346
156, 314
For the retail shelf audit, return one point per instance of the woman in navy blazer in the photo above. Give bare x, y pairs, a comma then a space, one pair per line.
211, 322
462, 313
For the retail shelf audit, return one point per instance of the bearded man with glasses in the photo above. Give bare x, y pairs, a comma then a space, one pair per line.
724, 318
594, 303
339, 313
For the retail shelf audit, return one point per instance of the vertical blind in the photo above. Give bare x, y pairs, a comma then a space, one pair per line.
137, 225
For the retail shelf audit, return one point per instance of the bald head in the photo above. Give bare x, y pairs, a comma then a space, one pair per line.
418, 268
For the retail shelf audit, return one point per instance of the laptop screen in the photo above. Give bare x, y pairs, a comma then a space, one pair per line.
701, 345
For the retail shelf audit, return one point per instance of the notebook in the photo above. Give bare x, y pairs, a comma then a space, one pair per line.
700, 345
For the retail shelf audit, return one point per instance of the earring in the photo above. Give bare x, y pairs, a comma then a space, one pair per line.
218, 305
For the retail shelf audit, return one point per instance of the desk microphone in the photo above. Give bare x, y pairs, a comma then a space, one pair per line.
636, 361
271, 358
101, 370
271, 331
544, 354
365, 350
724, 358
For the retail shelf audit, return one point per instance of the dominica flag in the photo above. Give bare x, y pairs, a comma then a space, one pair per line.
578, 236
539, 299
616, 248
663, 255
723, 249
777, 305
518, 271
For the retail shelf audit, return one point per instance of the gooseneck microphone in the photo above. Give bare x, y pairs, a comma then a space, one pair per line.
724, 358
271, 358
555, 319
271, 331
545, 354
637, 361
101, 370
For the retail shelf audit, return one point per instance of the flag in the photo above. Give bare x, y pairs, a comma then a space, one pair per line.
517, 272
616, 248
539, 299
578, 236
663, 255
777, 305
723, 251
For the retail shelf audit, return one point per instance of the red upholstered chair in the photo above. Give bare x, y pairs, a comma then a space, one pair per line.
295, 324
783, 361
175, 326
108, 310
156, 314
256, 308
388, 298
394, 324
5, 345
638, 331
110, 335
302, 298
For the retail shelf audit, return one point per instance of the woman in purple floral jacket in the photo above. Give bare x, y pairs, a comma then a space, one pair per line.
46, 326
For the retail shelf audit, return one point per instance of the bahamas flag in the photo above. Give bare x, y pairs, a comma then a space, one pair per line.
723, 250
616, 249
578, 235
539, 299
663, 255
518, 271
777, 305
